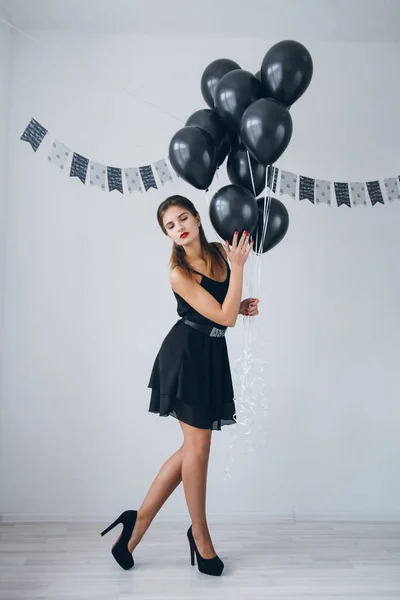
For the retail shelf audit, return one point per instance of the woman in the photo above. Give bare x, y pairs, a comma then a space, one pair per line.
191, 378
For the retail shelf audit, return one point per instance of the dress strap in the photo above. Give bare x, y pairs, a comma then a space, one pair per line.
219, 250
198, 272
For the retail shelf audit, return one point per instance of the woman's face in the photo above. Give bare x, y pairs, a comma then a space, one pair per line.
179, 221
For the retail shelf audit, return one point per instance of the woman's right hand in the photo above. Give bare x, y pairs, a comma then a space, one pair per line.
240, 250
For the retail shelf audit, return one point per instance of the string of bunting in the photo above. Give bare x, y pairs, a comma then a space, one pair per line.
137, 179
130, 179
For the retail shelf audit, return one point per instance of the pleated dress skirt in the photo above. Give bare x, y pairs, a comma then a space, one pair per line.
191, 379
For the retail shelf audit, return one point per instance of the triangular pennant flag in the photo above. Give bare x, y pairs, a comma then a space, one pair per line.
306, 188
98, 175
288, 183
375, 193
162, 171
114, 176
272, 178
392, 188
358, 193
59, 154
146, 173
323, 191
34, 134
79, 167
342, 194
133, 180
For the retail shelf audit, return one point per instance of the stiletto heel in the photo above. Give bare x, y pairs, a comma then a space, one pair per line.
208, 566
191, 554
120, 549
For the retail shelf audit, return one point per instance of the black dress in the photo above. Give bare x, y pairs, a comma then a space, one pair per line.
191, 377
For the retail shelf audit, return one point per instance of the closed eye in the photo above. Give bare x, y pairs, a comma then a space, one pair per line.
172, 226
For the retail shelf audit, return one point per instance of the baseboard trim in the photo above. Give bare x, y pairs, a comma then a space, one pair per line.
237, 517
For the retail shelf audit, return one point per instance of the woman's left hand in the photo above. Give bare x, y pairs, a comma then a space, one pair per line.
249, 307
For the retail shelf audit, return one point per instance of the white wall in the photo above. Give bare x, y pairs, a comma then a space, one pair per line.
5, 57
88, 301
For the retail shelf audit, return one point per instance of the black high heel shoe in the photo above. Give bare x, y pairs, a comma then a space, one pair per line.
209, 566
120, 550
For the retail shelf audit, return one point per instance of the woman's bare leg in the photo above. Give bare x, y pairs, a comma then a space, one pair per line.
194, 476
194, 454
168, 478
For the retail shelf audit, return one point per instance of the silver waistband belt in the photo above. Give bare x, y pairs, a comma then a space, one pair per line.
207, 329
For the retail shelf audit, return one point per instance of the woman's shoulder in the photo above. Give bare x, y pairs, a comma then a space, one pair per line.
220, 247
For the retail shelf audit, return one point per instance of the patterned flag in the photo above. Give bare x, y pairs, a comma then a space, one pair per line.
323, 191
358, 193
162, 171
272, 177
306, 188
375, 193
114, 176
275, 181
392, 188
342, 194
59, 154
288, 183
171, 167
98, 175
79, 167
133, 180
146, 173
34, 134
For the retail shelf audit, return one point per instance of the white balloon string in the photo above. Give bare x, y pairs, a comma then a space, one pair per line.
248, 371
251, 174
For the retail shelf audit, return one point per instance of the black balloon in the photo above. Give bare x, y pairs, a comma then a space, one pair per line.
266, 130
286, 71
193, 155
235, 140
238, 170
212, 76
209, 120
276, 226
224, 148
235, 92
233, 207
258, 75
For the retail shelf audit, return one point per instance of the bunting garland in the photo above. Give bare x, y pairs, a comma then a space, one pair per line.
106, 177
143, 178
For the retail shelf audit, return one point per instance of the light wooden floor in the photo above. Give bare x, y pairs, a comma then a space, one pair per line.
279, 560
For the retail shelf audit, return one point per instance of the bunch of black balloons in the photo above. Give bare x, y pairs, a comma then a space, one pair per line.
248, 121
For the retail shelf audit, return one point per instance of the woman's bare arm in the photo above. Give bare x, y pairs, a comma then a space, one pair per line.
224, 314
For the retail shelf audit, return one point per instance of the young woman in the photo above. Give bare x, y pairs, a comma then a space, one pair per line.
191, 378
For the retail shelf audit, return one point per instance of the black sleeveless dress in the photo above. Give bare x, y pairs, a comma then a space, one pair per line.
191, 377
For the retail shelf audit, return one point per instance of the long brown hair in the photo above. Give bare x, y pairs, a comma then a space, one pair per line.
209, 252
